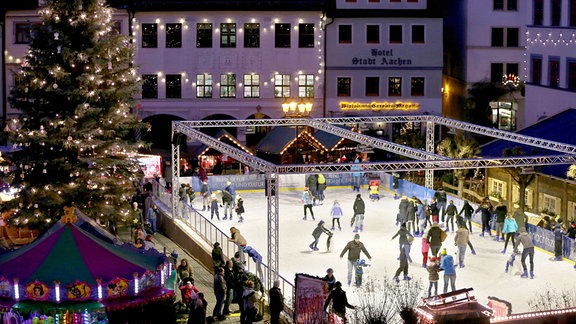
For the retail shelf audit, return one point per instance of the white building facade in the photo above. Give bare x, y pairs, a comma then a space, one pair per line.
550, 58
383, 58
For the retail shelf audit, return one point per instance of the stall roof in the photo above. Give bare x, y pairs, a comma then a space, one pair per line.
221, 135
280, 138
555, 128
329, 140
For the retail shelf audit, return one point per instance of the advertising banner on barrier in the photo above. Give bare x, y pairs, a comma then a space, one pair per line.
311, 292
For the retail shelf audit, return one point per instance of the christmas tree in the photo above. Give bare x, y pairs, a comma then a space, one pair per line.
77, 131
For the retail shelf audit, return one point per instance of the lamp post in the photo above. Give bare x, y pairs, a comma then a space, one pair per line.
294, 109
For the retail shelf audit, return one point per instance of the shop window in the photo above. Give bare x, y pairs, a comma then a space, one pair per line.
228, 85
372, 86
149, 86
306, 86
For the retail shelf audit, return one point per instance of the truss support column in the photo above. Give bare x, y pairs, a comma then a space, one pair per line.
273, 226
175, 167
429, 174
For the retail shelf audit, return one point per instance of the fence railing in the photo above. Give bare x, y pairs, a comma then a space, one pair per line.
210, 233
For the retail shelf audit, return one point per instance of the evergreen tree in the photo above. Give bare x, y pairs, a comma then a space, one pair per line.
77, 130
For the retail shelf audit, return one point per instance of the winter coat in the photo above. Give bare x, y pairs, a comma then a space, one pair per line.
451, 210
336, 211
521, 220
558, 233
510, 225
358, 206
524, 239
411, 211
307, 198
462, 237
420, 211
354, 250
447, 264
219, 284
500, 212
319, 230
321, 182
425, 245
240, 206
403, 210
227, 198
312, 182
231, 190
433, 269
403, 235
433, 208
467, 210
205, 190
434, 237
356, 167
238, 238
440, 196
339, 301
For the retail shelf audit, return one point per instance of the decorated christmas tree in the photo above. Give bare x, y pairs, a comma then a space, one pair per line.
78, 124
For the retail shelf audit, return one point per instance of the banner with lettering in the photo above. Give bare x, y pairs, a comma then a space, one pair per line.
311, 293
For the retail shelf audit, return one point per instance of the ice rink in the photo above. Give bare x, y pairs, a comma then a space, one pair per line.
483, 272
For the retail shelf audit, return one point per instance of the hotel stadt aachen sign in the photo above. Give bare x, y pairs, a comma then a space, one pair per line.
381, 57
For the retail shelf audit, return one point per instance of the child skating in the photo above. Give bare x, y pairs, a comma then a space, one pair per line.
359, 271
336, 212
317, 233
239, 208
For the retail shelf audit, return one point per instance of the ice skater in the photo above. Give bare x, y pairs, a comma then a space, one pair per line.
308, 201
433, 277
317, 232
358, 218
510, 261
527, 252
239, 208
403, 267
214, 207
354, 248
205, 193
359, 271
336, 212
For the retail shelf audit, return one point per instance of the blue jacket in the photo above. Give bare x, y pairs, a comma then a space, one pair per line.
510, 226
307, 198
447, 264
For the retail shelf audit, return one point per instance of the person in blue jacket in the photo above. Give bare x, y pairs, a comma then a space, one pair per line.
447, 265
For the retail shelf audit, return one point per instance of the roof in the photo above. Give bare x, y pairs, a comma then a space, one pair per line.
553, 128
329, 140
280, 138
223, 136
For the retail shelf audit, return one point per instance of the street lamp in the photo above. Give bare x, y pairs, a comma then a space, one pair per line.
294, 109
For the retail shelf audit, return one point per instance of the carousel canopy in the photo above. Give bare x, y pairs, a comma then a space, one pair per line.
69, 254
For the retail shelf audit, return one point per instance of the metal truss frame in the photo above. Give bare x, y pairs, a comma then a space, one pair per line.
422, 159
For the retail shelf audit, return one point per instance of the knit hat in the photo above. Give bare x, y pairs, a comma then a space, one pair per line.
321, 222
443, 252
228, 183
356, 236
358, 196
329, 270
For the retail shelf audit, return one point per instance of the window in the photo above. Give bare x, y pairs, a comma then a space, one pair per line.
149, 35
536, 70
572, 75
228, 85
528, 196
228, 35
418, 34
394, 86
344, 89
550, 203
511, 5
282, 86
554, 64
306, 85
173, 86
512, 37
116, 28
512, 68
251, 35
306, 35
251, 86
373, 34
417, 87
149, 86
496, 72
395, 36
173, 35
23, 32
555, 12
282, 35
204, 35
204, 86
572, 13
538, 13
345, 34
372, 86
497, 188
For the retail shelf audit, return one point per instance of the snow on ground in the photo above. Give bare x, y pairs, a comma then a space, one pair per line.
483, 272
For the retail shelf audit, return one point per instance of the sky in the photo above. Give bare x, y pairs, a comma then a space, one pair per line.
483, 272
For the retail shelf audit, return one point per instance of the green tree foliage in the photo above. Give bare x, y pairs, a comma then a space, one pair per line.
77, 130
519, 175
460, 146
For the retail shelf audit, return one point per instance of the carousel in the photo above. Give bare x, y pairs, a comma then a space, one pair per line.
70, 275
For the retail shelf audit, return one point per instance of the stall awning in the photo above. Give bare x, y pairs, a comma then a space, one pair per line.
281, 138
224, 137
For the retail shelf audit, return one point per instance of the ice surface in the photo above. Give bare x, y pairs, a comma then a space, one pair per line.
483, 272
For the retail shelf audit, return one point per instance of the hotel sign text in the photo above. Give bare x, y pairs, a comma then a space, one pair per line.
381, 57
376, 106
